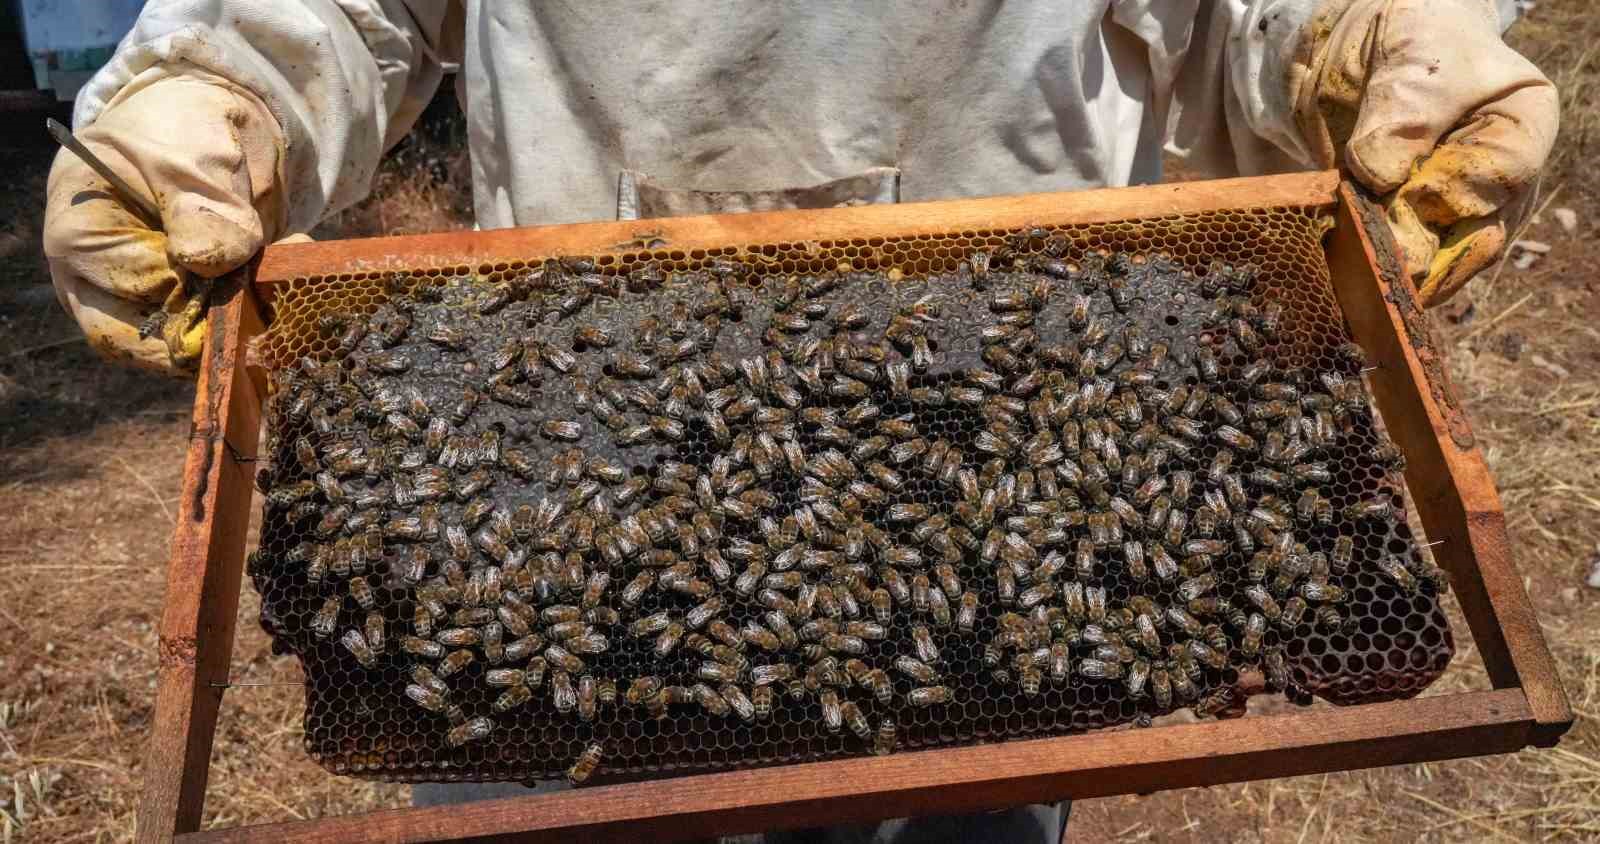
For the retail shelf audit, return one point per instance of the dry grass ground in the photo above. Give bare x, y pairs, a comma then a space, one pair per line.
90, 459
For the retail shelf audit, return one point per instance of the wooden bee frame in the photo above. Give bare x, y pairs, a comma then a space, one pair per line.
1449, 483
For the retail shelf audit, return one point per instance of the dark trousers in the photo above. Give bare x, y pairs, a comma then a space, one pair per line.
1032, 824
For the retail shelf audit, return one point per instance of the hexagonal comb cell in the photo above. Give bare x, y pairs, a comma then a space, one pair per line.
693, 510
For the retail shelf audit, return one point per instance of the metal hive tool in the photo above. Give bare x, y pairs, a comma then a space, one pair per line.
1250, 287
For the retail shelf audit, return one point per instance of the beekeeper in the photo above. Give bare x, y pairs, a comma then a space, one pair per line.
248, 120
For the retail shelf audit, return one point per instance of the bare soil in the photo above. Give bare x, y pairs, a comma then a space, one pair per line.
91, 457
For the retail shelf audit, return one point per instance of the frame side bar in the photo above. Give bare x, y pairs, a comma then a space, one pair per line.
954, 780
285, 262
1449, 481
203, 573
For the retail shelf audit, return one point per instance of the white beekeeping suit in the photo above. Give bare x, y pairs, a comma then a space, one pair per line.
248, 119
965, 99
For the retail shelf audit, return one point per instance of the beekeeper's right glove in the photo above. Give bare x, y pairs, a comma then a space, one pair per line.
210, 155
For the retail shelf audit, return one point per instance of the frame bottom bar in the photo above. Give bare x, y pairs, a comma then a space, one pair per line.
953, 781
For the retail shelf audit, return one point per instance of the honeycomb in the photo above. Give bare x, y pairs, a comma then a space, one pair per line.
671, 511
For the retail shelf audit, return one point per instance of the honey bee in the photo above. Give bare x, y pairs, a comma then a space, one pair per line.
925, 696
1233, 438
845, 387
1276, 669
1270, 478
1125, 513
593, 335
586, 764
1099, 669
476, 729
374, 630
629, 365
1094, 599
1184, 621
512, 698
730, 645
587, 642
563, 695
1294, 611
1374, 509
1036, 594
561, 429
1264, 601
427, 648
907, 513
1388, 455
742, 706
1160, 684
421, 676
1323, 514
1353, 353
709, 700
588, 697
883, 739
922, 641
697, 617
1196, 586
919, 671
882, 605
1395, 569
1321, 591
361, 591
356, 643
325, 621
779, 625
643, 689
1205, 547
1329, 619
1144, 632
1183, 685
1255, 629
669, 638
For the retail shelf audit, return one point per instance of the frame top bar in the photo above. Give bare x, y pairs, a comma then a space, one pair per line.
288, 261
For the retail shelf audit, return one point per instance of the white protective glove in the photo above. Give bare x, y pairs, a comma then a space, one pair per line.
1431, 110
211, 156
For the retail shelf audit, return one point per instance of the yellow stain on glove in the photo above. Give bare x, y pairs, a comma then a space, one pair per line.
184, 329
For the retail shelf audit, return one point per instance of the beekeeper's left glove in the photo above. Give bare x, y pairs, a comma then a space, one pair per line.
1422, 102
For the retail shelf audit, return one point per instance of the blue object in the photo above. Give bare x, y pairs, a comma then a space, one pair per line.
68, 40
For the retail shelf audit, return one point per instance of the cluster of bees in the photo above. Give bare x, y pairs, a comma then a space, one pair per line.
598, 498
